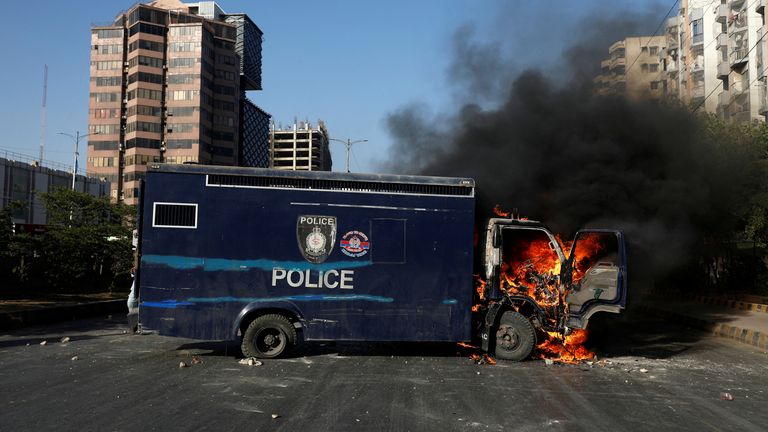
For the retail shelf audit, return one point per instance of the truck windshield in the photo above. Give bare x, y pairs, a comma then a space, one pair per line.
529, 265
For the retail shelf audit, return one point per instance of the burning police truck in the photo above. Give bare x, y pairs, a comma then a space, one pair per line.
272, 258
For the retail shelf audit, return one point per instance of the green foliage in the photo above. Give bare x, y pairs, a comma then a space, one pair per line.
86, 247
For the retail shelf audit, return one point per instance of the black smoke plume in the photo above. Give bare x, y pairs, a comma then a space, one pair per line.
557, 152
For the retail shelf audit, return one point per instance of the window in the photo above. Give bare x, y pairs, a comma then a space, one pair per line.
109, 33
146, 61
185, 31
107, 65
180, 159
184, 46
141, 159
174, 215
181, 127
104, 129
183, 78
143, 127
654, 85
145, 94
654, 50
654, 67
644, 67
146, 28
109, 81
224, 90
644, 49
147, 45
101, 162
183, 62
109, 49
184, 94
142, 143
180, 144
104, 145
182, 111
145, 77
145, 110
102, 113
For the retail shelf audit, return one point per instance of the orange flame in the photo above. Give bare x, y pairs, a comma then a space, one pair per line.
566, 350
499, 212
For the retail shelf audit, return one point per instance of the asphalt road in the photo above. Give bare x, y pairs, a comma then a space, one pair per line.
127, 382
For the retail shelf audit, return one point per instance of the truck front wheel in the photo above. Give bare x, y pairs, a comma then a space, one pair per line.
515, 337
268, 336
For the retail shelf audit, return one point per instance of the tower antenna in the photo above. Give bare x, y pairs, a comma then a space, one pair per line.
43, 114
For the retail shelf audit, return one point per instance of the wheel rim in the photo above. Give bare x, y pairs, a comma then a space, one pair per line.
270, 341
507, 338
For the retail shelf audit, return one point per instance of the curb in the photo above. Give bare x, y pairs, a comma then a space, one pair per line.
742, 335
733, 304
56, 314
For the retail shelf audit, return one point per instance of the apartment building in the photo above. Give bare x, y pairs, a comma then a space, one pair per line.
300, 147
168, 84
633, 68
714, 61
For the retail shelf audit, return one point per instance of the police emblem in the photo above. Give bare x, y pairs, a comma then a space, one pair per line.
316, 236
355, 244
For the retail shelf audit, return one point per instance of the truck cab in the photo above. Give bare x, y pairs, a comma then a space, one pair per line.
534, 283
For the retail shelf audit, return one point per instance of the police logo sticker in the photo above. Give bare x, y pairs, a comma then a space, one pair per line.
316, 236
355, 244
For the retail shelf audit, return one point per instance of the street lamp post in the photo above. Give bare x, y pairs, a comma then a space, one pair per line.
348, 143
76, 138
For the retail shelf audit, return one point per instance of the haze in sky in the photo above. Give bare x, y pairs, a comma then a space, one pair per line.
348, 63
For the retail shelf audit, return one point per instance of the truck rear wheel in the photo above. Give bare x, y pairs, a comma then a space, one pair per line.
268, 336
515, 337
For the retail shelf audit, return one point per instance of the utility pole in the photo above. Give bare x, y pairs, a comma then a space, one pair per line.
348, 143
76, 138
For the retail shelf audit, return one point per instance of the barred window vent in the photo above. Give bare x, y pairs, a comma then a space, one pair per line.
338, 185
174, 215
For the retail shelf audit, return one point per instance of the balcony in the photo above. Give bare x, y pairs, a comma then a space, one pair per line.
723, 69
697, 92
721, 13
762, 94
738, 57
760, 7
739, 88
737, 22
722, 40
618, 64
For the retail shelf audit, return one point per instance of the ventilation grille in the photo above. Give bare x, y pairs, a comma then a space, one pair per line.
173, 215
338, 185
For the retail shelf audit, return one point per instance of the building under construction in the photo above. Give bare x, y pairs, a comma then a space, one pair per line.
300, 147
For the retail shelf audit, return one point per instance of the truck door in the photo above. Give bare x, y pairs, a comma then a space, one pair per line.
595, 275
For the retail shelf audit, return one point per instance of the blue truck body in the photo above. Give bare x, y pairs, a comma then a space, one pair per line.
345, 256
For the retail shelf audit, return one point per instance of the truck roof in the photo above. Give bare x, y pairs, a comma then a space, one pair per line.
231, 176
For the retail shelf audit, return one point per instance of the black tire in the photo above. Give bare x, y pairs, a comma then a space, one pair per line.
268, 336
515, 337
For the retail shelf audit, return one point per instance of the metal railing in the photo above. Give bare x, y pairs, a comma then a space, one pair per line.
20, 157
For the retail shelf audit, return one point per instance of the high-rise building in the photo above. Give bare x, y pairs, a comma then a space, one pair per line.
168, 83
632, 68
715, 58
300, 147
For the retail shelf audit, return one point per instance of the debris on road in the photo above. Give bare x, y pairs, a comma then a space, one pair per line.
726, 396
250, 361
643, 370
484, 359
183, 365
196, 360
274, 416
44, 343
75, 358
65, 339
549, 362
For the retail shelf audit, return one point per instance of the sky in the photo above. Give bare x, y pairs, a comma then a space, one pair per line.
348, 63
